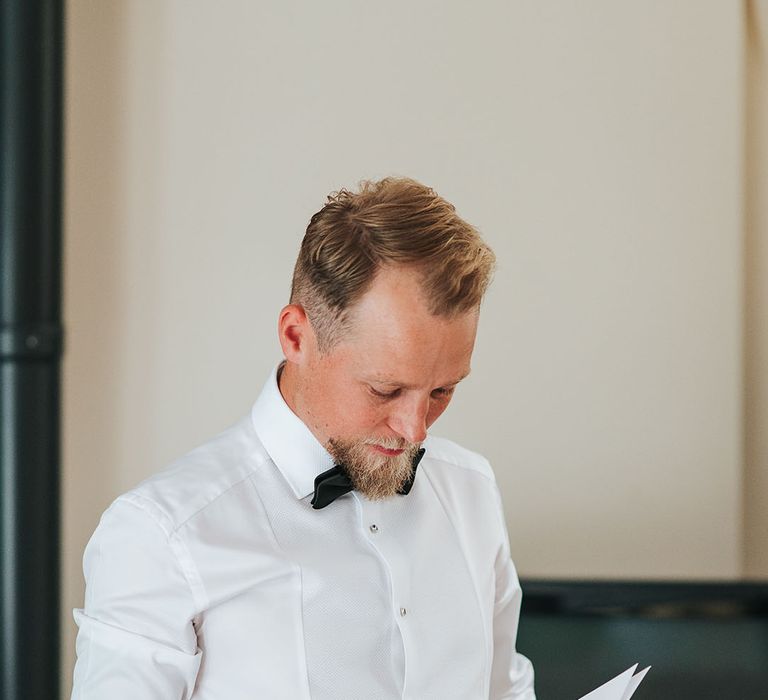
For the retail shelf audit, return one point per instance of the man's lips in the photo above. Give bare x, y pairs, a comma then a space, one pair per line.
387, 451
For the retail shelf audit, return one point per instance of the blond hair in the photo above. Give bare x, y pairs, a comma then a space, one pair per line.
390, 222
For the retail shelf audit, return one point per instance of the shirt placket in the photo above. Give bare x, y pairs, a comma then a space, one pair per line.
403, 608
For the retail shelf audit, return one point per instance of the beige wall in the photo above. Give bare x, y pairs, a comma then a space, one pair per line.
756, 292
599, 146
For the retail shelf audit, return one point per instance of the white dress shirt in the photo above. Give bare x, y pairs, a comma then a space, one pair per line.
216, 580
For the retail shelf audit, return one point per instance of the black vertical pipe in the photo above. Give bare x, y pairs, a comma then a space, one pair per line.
31, 32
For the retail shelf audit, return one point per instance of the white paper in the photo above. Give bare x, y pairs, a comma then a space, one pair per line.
622, 687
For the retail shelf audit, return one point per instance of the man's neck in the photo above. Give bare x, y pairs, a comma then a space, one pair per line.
288, 385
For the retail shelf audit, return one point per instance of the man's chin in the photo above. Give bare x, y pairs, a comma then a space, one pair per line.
377, 472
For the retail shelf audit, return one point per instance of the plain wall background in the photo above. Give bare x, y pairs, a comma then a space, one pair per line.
612, 153
755, 406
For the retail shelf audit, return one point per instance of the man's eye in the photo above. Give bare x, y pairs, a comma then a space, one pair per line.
385, 394
442, 392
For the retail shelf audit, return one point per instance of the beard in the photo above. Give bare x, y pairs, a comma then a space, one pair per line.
376, 476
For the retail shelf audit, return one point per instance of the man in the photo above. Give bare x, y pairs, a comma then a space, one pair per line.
325, 547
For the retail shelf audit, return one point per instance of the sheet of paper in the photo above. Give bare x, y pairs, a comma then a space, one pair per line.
632, 687
620, 688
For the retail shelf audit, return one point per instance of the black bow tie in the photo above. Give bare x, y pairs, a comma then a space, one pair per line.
335, 482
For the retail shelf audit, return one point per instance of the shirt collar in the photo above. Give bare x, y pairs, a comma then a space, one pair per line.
288, 441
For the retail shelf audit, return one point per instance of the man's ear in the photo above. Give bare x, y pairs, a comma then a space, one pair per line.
295, 333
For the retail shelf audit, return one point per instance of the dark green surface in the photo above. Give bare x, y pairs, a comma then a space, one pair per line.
700, 659
30, 346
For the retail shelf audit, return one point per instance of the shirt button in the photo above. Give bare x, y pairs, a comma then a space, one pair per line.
403, 612
374, 528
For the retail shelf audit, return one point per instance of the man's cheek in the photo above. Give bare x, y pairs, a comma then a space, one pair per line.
435, 413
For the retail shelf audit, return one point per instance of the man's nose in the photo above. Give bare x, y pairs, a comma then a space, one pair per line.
410, 419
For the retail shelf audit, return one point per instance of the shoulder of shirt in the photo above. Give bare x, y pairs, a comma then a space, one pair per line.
448, 452
207, 473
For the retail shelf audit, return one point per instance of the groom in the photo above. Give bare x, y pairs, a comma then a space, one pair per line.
325, 546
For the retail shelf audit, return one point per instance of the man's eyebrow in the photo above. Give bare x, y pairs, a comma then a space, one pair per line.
456, 381
403, 385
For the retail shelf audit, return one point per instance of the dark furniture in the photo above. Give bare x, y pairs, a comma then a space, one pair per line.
705, 641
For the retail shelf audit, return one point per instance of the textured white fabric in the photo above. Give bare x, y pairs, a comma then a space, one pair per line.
216, 579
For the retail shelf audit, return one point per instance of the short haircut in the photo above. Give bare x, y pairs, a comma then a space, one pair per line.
390, 222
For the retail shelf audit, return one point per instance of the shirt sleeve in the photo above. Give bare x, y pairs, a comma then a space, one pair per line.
136, 635
512, 673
